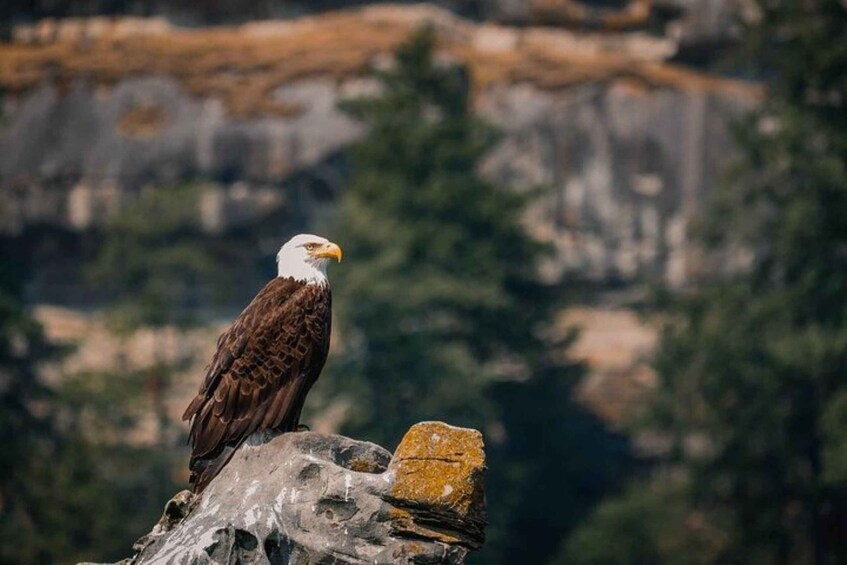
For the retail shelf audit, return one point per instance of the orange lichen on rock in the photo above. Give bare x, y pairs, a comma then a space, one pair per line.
243, 65
437, 489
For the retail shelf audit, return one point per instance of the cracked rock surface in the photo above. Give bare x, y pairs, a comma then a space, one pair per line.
311, 498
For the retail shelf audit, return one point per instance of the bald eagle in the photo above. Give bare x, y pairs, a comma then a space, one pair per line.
267, 361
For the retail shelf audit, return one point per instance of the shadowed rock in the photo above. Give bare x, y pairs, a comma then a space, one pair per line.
309, 498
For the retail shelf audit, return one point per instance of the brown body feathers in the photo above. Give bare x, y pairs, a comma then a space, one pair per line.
258, 379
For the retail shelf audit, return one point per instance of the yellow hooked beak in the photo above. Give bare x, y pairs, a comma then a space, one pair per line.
329, 251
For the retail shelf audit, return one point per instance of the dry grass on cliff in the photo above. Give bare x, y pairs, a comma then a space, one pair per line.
242, 65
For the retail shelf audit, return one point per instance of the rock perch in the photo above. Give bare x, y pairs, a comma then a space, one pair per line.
311, 498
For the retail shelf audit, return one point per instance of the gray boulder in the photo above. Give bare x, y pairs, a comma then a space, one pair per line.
310, 498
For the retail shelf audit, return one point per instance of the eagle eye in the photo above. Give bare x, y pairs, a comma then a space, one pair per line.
311, 246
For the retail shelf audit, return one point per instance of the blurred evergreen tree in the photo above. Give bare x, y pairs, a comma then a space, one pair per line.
557, 461
442, 298
157, 268
25, 430
63, 497
652, 522
156, 265
441, 313
752, 365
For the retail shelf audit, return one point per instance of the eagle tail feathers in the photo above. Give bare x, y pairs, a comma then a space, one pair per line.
204, 470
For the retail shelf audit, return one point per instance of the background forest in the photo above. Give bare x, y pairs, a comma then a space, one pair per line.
455, 301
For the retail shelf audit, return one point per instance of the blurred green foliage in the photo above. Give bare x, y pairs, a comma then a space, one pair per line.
441, 313
26, 433
752, 364
64, 496
76, 448
555, 462
440, 299
155, 263
160, 270
631, 530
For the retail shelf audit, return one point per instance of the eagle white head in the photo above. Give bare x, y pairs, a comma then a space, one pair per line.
304, 258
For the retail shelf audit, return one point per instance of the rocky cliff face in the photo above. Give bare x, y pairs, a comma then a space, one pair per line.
629, 145
308, 498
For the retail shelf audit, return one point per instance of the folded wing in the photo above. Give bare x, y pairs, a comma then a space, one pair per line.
258, 379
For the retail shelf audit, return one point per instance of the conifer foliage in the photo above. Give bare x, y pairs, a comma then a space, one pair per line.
753, 363
441, 313
442, 299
